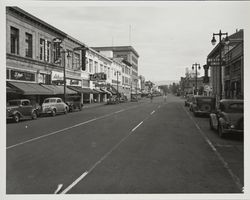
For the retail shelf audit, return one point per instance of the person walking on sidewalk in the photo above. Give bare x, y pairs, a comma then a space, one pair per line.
151, 98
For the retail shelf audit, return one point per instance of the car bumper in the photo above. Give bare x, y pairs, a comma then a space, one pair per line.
230, 130
201, 112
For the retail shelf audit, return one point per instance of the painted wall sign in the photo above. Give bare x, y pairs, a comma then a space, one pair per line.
23, 76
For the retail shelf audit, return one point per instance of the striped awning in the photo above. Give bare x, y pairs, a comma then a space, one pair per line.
59, 89
29, 88
81, 90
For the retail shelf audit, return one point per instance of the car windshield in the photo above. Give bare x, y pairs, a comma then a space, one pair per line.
14, 103
235, 108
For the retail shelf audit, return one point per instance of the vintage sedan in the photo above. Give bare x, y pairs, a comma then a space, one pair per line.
21, 109
202, 105
228, 118
53, 106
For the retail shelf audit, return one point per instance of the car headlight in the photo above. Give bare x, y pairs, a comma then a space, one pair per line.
232, 126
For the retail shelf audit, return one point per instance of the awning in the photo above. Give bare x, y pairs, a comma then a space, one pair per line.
106, 91
59, 89
12, 90
30, 88
98, 90
81, 90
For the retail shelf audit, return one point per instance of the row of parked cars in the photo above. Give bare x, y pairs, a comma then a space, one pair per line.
19, 109
226, 118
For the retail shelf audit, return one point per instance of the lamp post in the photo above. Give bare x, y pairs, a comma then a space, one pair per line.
194, 66
117, 73
213, 41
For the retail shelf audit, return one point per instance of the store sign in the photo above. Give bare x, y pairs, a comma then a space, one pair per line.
56, 76
215, 61
98, 77
23, 76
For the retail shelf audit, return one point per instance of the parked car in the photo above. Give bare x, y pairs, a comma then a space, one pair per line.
21, 109
123, 99
113, 100
53, 106
202, 105
228, 118
188, 99
74, 103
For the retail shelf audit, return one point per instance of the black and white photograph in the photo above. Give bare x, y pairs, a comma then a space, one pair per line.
125, 100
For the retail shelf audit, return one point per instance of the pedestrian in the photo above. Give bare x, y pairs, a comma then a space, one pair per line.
151, 98
164, 97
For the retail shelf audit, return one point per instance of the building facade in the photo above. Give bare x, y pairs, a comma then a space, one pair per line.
227, 77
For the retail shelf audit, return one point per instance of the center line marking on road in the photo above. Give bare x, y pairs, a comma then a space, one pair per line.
136, 126
225, 164
119, 111
74, 183
152, 112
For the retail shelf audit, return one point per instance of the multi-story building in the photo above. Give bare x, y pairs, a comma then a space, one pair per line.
40, 57
228, 79
129, 54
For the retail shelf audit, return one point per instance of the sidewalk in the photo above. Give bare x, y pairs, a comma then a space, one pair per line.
92, 105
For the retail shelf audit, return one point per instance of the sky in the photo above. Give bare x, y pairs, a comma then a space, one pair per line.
168, 36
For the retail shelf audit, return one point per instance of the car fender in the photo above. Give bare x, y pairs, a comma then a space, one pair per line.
222, 121
214, 120
17, 112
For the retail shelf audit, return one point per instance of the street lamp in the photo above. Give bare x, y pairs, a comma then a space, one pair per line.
59, 49
194, 66
213, 41
117, 73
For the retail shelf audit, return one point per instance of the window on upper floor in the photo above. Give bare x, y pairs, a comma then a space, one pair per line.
101, 68
28, 45
14, 40
45, 50
90, 66
42, 48
76, 61
48, 52
96, 67
56, 53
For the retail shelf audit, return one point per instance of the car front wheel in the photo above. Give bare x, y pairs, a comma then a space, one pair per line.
16, 118
34, 115
53, 113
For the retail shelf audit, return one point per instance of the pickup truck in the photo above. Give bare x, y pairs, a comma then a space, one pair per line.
21, 109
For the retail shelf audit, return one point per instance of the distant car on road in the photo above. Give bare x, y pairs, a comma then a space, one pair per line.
21, 109
53, 106
202, 105
228, 118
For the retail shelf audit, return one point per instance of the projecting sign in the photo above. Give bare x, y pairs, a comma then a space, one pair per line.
56, 76
98, 77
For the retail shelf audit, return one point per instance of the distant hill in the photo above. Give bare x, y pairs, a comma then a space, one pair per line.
166, 82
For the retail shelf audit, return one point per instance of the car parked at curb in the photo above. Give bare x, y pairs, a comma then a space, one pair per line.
74, 103
19, 109
228, 118
53, 106
202, 105
188, 99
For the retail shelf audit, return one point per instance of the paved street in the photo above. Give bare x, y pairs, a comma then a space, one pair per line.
134, 147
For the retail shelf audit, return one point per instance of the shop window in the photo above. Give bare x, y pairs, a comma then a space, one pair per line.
14, 40
28, 45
